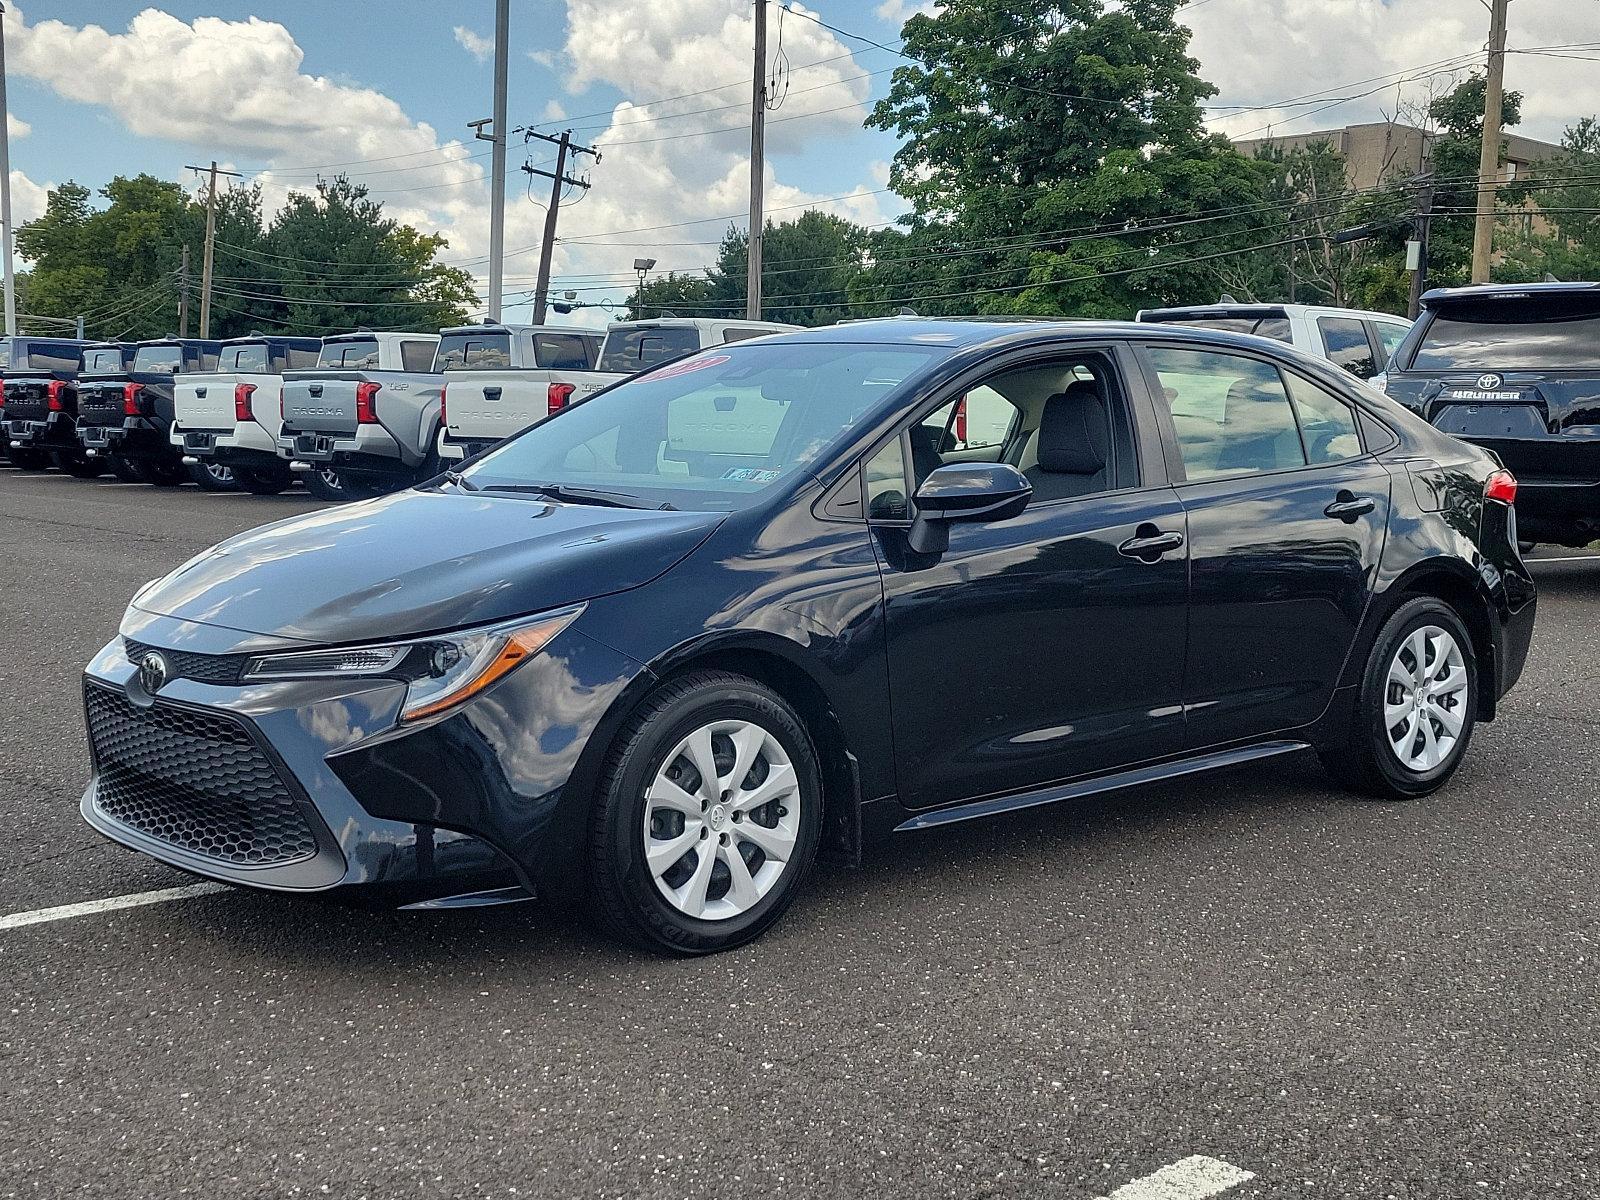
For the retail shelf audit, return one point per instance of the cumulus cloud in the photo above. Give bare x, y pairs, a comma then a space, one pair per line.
1333, 44
16, 127
901, 11
27, 198
475, 44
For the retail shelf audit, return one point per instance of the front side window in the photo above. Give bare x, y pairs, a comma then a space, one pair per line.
628, 349
982, 419
1327, 423
245, 358
711, 431
1232, 415
158, 360
1347, 346
473, 352
886, 484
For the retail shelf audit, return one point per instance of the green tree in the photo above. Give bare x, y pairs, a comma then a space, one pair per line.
684, 294
1037, 141
1568, 246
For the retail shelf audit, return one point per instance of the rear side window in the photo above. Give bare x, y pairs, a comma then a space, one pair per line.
360, 354
1540, 332
472, 352
418, 356
563, 351
1345, 341
1327, 423
1232, 415
635, 349
245, 358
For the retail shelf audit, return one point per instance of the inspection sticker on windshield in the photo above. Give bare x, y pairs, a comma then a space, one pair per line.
748, 475
687, 365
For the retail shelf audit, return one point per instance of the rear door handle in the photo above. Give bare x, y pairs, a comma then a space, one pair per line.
1347, 507
1151, 546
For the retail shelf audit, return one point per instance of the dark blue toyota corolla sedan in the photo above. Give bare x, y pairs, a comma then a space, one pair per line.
806, 591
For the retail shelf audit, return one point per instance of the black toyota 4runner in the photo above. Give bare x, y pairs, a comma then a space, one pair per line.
1516, 369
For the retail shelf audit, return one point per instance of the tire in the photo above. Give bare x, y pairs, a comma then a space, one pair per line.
263, 481
123, 468
28, 459
212, 476
626, 896
1526, 547
327, 484
162, 472
78, 464
1368, 758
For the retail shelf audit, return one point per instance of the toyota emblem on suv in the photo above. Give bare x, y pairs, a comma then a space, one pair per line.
152, 672
1488, 383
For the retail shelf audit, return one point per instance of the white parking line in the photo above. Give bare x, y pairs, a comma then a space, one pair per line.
1192, 1178
1566, 558
40, 915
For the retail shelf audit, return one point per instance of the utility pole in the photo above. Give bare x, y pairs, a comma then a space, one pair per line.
183, 293
497, 159
559, 178
5, 188
211, 240
758, 166
1417, 246
1489, 159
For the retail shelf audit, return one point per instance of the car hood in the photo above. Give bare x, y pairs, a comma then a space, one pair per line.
420, 562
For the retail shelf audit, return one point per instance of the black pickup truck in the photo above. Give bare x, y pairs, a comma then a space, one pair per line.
128, 416
39, 402
1515, 368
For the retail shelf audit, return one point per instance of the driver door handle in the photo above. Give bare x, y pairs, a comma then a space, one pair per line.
1151, 546
1346, 507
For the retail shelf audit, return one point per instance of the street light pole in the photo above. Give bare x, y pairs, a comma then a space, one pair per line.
758, 167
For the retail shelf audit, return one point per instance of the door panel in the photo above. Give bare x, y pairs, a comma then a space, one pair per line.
1277, 590
1034, 650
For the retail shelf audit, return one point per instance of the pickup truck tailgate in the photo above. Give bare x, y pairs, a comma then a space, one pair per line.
205, 402
491, 406
100, 403
325, 405
27, 399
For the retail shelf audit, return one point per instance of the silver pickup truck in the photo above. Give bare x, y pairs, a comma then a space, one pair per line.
496, 399
365, 420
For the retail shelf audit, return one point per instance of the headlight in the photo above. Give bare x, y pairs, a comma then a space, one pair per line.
440, 672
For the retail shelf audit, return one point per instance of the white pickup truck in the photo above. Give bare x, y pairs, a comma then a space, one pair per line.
226, 421
499, 379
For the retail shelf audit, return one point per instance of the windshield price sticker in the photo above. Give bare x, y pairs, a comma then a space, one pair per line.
749, 475
686, 366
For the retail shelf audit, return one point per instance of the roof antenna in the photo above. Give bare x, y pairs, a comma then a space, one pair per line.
1226, 298
1549, 278
906, 312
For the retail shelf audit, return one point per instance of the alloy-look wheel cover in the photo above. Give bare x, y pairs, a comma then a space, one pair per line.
1425, 698
722, 820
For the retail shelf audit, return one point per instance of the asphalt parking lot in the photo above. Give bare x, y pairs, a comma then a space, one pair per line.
1337, 997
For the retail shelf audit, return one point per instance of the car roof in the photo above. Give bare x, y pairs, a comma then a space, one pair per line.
503, 327
1437, 296
1268, 310
962, 333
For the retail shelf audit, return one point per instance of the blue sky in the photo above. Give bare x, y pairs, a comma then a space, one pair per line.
280, 90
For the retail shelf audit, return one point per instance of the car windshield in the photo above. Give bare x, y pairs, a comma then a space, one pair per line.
244, 358
1511, 333
631, 348
473, 352
158, 360
709, 432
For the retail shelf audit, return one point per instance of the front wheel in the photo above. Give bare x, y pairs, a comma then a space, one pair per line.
1416, 709
123, 468
162, 471
77, 463
26, 458
708, 816
263, 481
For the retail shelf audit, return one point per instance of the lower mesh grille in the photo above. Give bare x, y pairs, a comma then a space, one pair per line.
193, 779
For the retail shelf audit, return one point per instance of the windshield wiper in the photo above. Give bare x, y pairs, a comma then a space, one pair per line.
575, 495
460, 480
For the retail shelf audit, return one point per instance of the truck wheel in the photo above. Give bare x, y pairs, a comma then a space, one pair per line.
213, 477
263, 481
27, 459
123, 469
76, 462
162, 472
327, 484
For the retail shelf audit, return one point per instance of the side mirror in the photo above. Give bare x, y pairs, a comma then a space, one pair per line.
965, 492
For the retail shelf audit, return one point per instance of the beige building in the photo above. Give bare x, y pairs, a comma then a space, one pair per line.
1381, 149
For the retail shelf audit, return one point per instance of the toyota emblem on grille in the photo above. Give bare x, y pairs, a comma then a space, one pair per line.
153, 672
1488, 383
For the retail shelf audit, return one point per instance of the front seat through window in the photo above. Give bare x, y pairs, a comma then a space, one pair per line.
1074, 444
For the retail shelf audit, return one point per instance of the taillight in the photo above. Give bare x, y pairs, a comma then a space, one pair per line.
130, 398
961, 421
367, 403
1501, 486
559, 396
444, 413
55, 389
241, 401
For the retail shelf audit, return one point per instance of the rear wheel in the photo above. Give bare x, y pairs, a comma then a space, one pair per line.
327, 484
26, 458
263, 481
162, 472
123, 468
1416, 709
213, 476
76, 462
708, 816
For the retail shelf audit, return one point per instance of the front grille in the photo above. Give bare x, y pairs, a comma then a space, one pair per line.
202, 668
192, 779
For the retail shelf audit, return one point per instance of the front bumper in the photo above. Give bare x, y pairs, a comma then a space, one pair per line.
312, 786
371, 448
